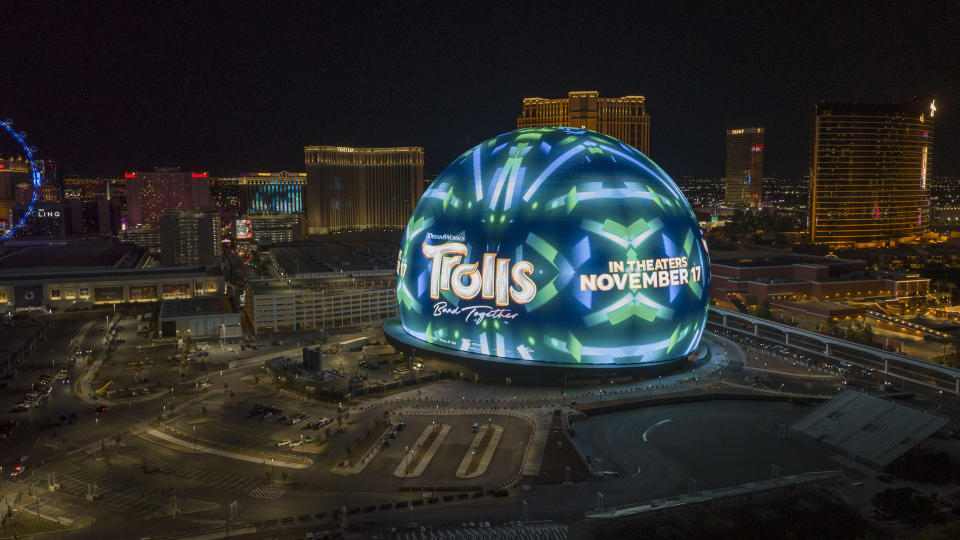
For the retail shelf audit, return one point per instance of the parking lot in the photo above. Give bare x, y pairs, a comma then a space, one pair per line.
441, 471
235, 421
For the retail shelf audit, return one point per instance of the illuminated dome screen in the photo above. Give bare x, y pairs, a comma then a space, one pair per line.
555, 245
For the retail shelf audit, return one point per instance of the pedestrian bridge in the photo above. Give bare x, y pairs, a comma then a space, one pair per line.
827, 348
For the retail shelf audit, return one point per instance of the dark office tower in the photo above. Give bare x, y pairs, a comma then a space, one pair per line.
225, 194
151, 194
868, 172
744, 178
51, 176
361, 188
189, 238
624, 118
93, 217
117, 190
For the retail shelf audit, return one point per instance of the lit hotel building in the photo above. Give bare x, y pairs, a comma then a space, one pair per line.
624, 118
868, 172
268, 193
361, 188
151, 194
744, 174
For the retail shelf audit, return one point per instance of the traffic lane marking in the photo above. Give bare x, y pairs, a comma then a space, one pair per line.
649, 429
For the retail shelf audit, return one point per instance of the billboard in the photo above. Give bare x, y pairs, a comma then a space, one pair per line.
244, 232
28, 296
555, 245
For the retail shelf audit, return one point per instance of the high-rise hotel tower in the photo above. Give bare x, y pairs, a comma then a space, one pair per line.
868, 172
624, 118
744, 178
361, 188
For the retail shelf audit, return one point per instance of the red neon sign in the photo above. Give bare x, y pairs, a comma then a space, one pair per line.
129, 175
199, 175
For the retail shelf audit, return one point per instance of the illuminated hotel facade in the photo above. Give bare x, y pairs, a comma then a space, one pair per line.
151, 194
744, 174
868, 172
623, 118
361, 188
270, 193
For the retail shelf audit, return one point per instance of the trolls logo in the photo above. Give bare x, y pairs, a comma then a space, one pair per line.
492, 278
492, 281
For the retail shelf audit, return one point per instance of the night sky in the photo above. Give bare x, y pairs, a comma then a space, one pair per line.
231, 87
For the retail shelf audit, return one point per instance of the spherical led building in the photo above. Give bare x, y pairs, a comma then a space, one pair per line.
553, 248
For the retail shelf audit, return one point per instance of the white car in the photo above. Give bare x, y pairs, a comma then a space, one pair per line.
285, 442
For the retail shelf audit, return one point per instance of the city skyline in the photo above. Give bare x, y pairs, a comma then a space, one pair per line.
242, 100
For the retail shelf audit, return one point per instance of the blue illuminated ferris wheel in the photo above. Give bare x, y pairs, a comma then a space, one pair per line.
35, 177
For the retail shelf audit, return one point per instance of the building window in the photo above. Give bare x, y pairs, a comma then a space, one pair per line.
3, 296
108, 295
54, 294
84, 292
176, 290
143, 293
70, 293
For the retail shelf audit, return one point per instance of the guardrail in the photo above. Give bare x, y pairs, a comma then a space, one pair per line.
672, 503
872, 354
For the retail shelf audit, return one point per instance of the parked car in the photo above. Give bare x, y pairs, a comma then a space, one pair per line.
17, 471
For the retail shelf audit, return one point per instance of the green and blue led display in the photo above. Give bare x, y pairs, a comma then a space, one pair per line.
555, 245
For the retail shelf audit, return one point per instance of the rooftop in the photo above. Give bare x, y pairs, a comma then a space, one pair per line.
88, 254
759, 258
201, 305
100, 274
336, 256
330, 285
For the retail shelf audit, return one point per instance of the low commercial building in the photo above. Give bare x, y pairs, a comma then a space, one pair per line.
201, 316
285, 305
752, 278
344, 281
82, 274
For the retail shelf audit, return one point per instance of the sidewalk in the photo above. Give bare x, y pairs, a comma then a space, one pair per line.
456, 394
188, 446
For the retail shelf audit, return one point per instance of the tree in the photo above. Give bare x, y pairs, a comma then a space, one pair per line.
830, 326
764, 310
955, 345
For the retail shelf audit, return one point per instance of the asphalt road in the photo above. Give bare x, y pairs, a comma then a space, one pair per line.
716, 443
